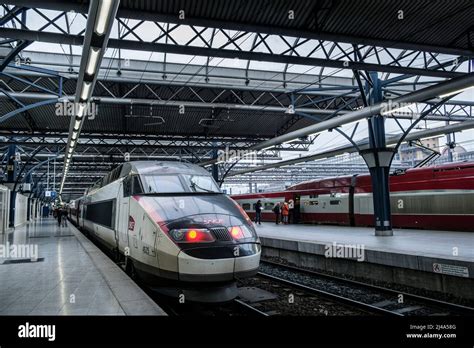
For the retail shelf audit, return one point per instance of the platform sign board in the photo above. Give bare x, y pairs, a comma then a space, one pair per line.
50, 194
454, 270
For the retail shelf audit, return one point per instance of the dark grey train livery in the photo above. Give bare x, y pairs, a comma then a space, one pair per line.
174, 227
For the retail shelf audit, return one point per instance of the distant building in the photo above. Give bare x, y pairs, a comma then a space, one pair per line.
458, 154
412, 155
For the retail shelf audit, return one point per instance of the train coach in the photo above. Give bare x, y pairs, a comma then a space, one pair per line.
435, 198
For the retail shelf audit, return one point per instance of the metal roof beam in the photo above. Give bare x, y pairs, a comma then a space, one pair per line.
421, 95
229, 25
349, 149
224, 53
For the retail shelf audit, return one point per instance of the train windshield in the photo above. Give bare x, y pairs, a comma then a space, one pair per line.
201, 183
179, 183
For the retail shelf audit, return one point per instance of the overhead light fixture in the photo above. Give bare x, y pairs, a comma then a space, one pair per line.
455, 92
80, 110
73, 142
77, 124
74, 135
103, 15
91, 66
86, 89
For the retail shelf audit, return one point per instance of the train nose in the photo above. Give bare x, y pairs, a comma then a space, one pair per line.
215, 247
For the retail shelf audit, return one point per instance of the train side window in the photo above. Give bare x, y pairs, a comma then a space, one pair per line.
268, 206
335, 202
314, 203
246, 206
127, 186
137, 186
254, 206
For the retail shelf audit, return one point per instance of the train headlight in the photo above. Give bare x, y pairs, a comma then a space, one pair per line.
178, 235
192, 235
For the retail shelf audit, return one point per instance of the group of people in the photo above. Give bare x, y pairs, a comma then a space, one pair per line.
284, 211
61, 215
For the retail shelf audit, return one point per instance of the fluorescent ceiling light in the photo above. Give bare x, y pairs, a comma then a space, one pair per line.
103, 15
77, 124
455, 92
86, 89
74, 135
91, 66
80, 110
73, 142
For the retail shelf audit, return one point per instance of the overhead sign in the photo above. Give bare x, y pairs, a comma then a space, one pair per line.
51, 194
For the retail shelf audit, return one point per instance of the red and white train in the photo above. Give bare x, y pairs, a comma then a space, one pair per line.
438, 198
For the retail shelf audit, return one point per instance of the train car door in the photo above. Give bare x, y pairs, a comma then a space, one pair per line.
297, 209
123, 216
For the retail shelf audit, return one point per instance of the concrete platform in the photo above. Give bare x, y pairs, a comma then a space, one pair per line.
434, 260
70, 276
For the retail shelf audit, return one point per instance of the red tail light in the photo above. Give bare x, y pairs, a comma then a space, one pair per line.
192, 235
236, 232
240, 232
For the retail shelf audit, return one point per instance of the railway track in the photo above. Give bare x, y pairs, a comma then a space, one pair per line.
374, 298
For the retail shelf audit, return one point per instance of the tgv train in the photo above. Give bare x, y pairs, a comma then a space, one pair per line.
173, 226
438, 198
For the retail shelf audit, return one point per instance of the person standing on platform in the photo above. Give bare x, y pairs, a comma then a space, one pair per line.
277, 211
291, 207
59, 216
284, 213
64, 217
258, 212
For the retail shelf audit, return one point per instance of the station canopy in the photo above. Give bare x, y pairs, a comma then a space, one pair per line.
188, 80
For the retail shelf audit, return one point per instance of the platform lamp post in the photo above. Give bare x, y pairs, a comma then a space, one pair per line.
378, 158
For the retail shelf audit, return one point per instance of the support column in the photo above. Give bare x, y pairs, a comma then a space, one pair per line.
215, 168
12, 164
379, 159
12, 172
29, 201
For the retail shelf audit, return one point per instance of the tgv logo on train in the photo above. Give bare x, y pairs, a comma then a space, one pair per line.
67, 108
